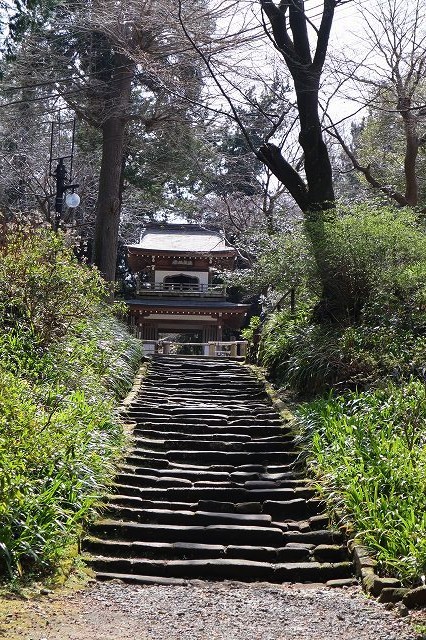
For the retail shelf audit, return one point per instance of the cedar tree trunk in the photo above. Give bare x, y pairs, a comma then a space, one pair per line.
108, 205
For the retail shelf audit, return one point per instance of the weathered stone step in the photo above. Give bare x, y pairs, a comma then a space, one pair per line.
217, 412
208, 480
198, 444
246, 404
212, 457
321, 537
204, 421
233, 494
330, 553
201, 408
187, 474
250, 431
194, 551
239, 398
255, 421
238, 477
187, 518
199, 377
154, 462
201, 411
212, 534
243, 399
229, 457
143, 480
225, 388
225, 569
140, 503
160, 462
297, 510
153, 550
208, 434
140, 580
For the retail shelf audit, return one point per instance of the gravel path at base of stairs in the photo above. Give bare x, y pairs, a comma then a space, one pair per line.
205, 611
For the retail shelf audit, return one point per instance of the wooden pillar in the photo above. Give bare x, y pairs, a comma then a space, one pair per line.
219, 332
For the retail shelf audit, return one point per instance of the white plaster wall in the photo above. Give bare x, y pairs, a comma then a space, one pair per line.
203, 276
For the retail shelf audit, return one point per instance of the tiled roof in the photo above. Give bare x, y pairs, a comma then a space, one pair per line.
181, 238
185, 303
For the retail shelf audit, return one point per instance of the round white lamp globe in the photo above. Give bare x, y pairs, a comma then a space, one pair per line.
72, 200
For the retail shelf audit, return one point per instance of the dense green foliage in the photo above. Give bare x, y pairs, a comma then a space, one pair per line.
364, 426
64, 360
284, 261
377, 260
369, 451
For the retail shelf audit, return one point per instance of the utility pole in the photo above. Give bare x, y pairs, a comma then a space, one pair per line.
62, 186
60, 174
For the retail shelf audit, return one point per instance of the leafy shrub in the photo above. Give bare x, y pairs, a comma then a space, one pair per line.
367, 448
64, 360
284, 261
40, 288
311, 358
54, 461
369, 452
277, 340
374, 255
376, 258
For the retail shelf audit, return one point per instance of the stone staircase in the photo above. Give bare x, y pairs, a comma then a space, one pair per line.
211, 489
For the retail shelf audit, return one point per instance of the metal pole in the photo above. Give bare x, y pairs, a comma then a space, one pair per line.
60, 173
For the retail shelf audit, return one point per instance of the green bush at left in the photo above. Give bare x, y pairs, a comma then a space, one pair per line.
65, 359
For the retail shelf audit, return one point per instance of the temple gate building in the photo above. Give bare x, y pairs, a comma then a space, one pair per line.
177, 294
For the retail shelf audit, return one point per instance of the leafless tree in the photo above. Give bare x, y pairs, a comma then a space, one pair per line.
302, 43
391, 79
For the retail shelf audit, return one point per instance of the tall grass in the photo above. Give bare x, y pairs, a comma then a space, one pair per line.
64, 360
369, 452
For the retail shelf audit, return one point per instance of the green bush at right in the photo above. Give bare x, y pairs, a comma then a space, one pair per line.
359, 376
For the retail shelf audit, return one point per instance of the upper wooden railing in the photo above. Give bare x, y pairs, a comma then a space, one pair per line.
181, 289
231, 349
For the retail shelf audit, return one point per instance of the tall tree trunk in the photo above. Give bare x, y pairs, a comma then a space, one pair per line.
317, 163
108, 205
290, 32
314, 193
410, 160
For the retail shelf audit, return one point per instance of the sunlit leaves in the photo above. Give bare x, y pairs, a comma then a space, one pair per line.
62, 367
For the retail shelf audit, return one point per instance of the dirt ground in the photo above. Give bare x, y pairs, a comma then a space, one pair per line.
203, 611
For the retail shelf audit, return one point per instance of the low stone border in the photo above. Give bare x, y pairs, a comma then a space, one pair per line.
125, 404
387, 590
271, 392
135, 388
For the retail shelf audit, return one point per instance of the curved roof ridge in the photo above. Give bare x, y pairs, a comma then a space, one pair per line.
181, 237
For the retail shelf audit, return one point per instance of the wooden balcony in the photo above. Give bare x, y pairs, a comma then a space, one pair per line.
184, 290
